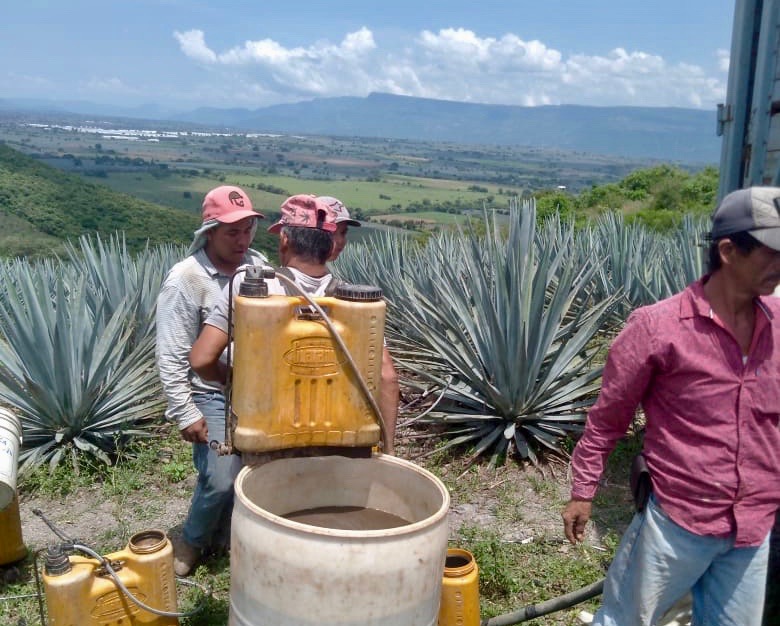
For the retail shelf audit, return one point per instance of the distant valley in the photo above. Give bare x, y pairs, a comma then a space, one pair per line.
685, 136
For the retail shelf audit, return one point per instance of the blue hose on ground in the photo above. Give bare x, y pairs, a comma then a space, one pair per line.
549, 606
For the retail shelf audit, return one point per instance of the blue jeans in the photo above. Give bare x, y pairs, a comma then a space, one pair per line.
212, 501
658, 562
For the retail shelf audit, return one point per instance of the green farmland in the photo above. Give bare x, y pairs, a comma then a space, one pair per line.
183, 191
175, 165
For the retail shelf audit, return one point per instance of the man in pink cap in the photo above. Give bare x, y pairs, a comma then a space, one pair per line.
306, 239
343, 222
390, 385
189, 291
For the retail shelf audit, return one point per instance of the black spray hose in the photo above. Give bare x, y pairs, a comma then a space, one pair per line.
549, 606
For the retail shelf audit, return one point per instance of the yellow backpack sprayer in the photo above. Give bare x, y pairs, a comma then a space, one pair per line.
135, 586
306, 372
132, 587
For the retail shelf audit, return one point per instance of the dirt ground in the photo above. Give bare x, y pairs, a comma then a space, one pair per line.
89, 516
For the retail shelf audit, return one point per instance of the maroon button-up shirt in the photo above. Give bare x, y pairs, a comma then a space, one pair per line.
712, 441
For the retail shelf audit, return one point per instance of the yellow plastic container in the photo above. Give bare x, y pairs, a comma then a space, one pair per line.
292, 385
80, 593
12, 547
460, 590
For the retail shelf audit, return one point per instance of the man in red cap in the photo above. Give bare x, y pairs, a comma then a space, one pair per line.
187, 296
306, 239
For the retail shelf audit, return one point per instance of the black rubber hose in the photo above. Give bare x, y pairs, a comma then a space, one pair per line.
549, 606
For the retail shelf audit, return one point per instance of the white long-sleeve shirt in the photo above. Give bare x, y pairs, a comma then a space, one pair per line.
186, 298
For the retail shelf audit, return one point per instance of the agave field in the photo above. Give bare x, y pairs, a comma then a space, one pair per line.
77, 350
503, 322
500, 325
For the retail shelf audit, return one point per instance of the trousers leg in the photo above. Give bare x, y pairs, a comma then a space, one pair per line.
212, 500
731, 591
657, 563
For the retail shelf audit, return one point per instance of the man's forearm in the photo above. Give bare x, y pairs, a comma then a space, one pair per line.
389, 396
205, 353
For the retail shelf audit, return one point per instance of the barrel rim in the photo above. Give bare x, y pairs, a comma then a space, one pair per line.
9, 420
308, 529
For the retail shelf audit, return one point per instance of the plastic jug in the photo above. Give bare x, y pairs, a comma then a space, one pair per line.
79, 592
12, 547
460, 590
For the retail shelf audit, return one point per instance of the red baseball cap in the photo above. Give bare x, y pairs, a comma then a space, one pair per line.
228, 204
306, 211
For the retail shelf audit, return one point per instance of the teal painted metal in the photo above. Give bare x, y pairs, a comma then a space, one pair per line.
734, 115
760, 171
749, 120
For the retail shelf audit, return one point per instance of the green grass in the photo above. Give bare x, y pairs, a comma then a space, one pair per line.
513, 575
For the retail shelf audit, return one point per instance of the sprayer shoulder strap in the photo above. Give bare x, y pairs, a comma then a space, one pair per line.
334, 284
287, 273
330, 290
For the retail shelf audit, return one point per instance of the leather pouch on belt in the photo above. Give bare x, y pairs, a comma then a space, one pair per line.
641, 484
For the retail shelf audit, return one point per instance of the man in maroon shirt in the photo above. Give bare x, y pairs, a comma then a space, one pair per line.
705, 367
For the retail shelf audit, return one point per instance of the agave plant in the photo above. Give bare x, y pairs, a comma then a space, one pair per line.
646, 265
505, 326
634, 258
685, 254
117, 278
80, 379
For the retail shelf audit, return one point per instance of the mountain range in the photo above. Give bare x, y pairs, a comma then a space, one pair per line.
668, 134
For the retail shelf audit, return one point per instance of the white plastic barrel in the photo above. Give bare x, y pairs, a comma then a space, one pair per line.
10, 439
287, 573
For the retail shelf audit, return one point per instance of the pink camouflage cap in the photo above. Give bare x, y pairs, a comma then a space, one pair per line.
305, 211
337, 206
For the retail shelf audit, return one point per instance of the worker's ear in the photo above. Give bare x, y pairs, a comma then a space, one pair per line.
726, 250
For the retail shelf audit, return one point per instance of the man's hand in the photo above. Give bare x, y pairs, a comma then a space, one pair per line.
575, 515
197, 432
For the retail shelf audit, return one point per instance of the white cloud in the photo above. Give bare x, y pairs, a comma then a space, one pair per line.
723, 59
193, 44
456, 46
456, 64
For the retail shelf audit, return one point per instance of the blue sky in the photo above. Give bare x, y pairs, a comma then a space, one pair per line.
183, 54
